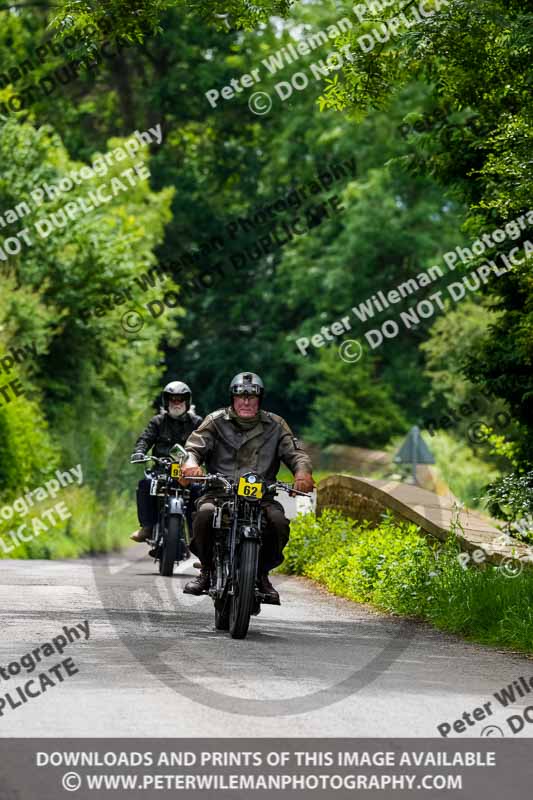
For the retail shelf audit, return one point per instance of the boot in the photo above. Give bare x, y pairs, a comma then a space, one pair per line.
198, 585
266, 588
142, 534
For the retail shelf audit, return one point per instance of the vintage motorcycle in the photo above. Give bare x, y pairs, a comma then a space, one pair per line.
238, 525
170, 539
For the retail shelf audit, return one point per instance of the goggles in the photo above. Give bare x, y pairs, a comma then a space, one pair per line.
177, 398
243, 389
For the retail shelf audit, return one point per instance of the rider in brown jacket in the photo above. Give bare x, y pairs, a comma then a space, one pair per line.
236, 440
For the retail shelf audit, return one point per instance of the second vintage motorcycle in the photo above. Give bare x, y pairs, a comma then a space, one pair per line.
170, 538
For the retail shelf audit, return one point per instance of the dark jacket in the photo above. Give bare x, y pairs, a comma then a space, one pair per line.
223, 447
162, 432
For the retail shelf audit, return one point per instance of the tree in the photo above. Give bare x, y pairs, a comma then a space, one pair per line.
467, 53
86, 366
352, 405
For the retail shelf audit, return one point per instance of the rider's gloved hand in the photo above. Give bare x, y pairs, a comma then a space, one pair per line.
190, 472
137, 458
303, 482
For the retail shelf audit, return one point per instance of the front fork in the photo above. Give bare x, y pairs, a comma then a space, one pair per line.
226, 550
245, 531
172, 505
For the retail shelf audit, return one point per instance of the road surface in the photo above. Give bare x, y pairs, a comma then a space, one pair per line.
155, 666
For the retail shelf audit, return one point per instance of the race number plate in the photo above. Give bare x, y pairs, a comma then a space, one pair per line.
247, 489
175, 470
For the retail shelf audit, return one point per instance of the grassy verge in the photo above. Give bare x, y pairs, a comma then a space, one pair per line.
92, 527
397, 569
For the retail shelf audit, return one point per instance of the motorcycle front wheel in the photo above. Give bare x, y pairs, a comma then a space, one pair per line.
171, 545
243, 597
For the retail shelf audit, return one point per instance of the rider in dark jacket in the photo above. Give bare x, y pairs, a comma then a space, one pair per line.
172, 426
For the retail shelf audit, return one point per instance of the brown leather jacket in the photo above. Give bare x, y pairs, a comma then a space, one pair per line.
223, 447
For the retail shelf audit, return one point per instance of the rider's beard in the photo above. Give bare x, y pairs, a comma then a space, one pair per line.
176, 410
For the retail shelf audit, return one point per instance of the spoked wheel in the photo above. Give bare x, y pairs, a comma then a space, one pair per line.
171, 545
243, 599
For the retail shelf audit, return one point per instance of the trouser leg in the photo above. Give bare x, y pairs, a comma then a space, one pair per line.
195, 493
146, 504
202, 532
275, 536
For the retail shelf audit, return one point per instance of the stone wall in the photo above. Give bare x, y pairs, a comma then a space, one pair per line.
368, 499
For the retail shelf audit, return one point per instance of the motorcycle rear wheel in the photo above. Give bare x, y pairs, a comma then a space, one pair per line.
243, 598
171, 545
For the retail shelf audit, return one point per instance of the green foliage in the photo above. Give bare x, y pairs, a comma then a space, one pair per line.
26, 447
511, 498
83, 386
462, 468
452, 338
91, 528
69, 271
387, 565
91, 387
352, 405
226, 162
134, 24
395, 568
466, 54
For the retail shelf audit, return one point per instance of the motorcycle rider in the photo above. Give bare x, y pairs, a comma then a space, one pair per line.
172, 426
235, 440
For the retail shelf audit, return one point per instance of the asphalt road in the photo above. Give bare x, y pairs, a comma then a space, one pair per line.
155, 666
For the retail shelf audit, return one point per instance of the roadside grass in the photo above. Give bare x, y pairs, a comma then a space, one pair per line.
399, 570
93, 527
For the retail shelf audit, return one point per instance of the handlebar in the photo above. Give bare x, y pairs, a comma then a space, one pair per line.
164, 460
229, 484
287, 488
214, 477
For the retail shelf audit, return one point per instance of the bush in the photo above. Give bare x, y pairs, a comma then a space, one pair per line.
511, 498
397, 569
462, 470
92, 527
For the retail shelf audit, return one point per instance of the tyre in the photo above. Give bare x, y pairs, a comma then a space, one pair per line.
171, 545
243, 600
